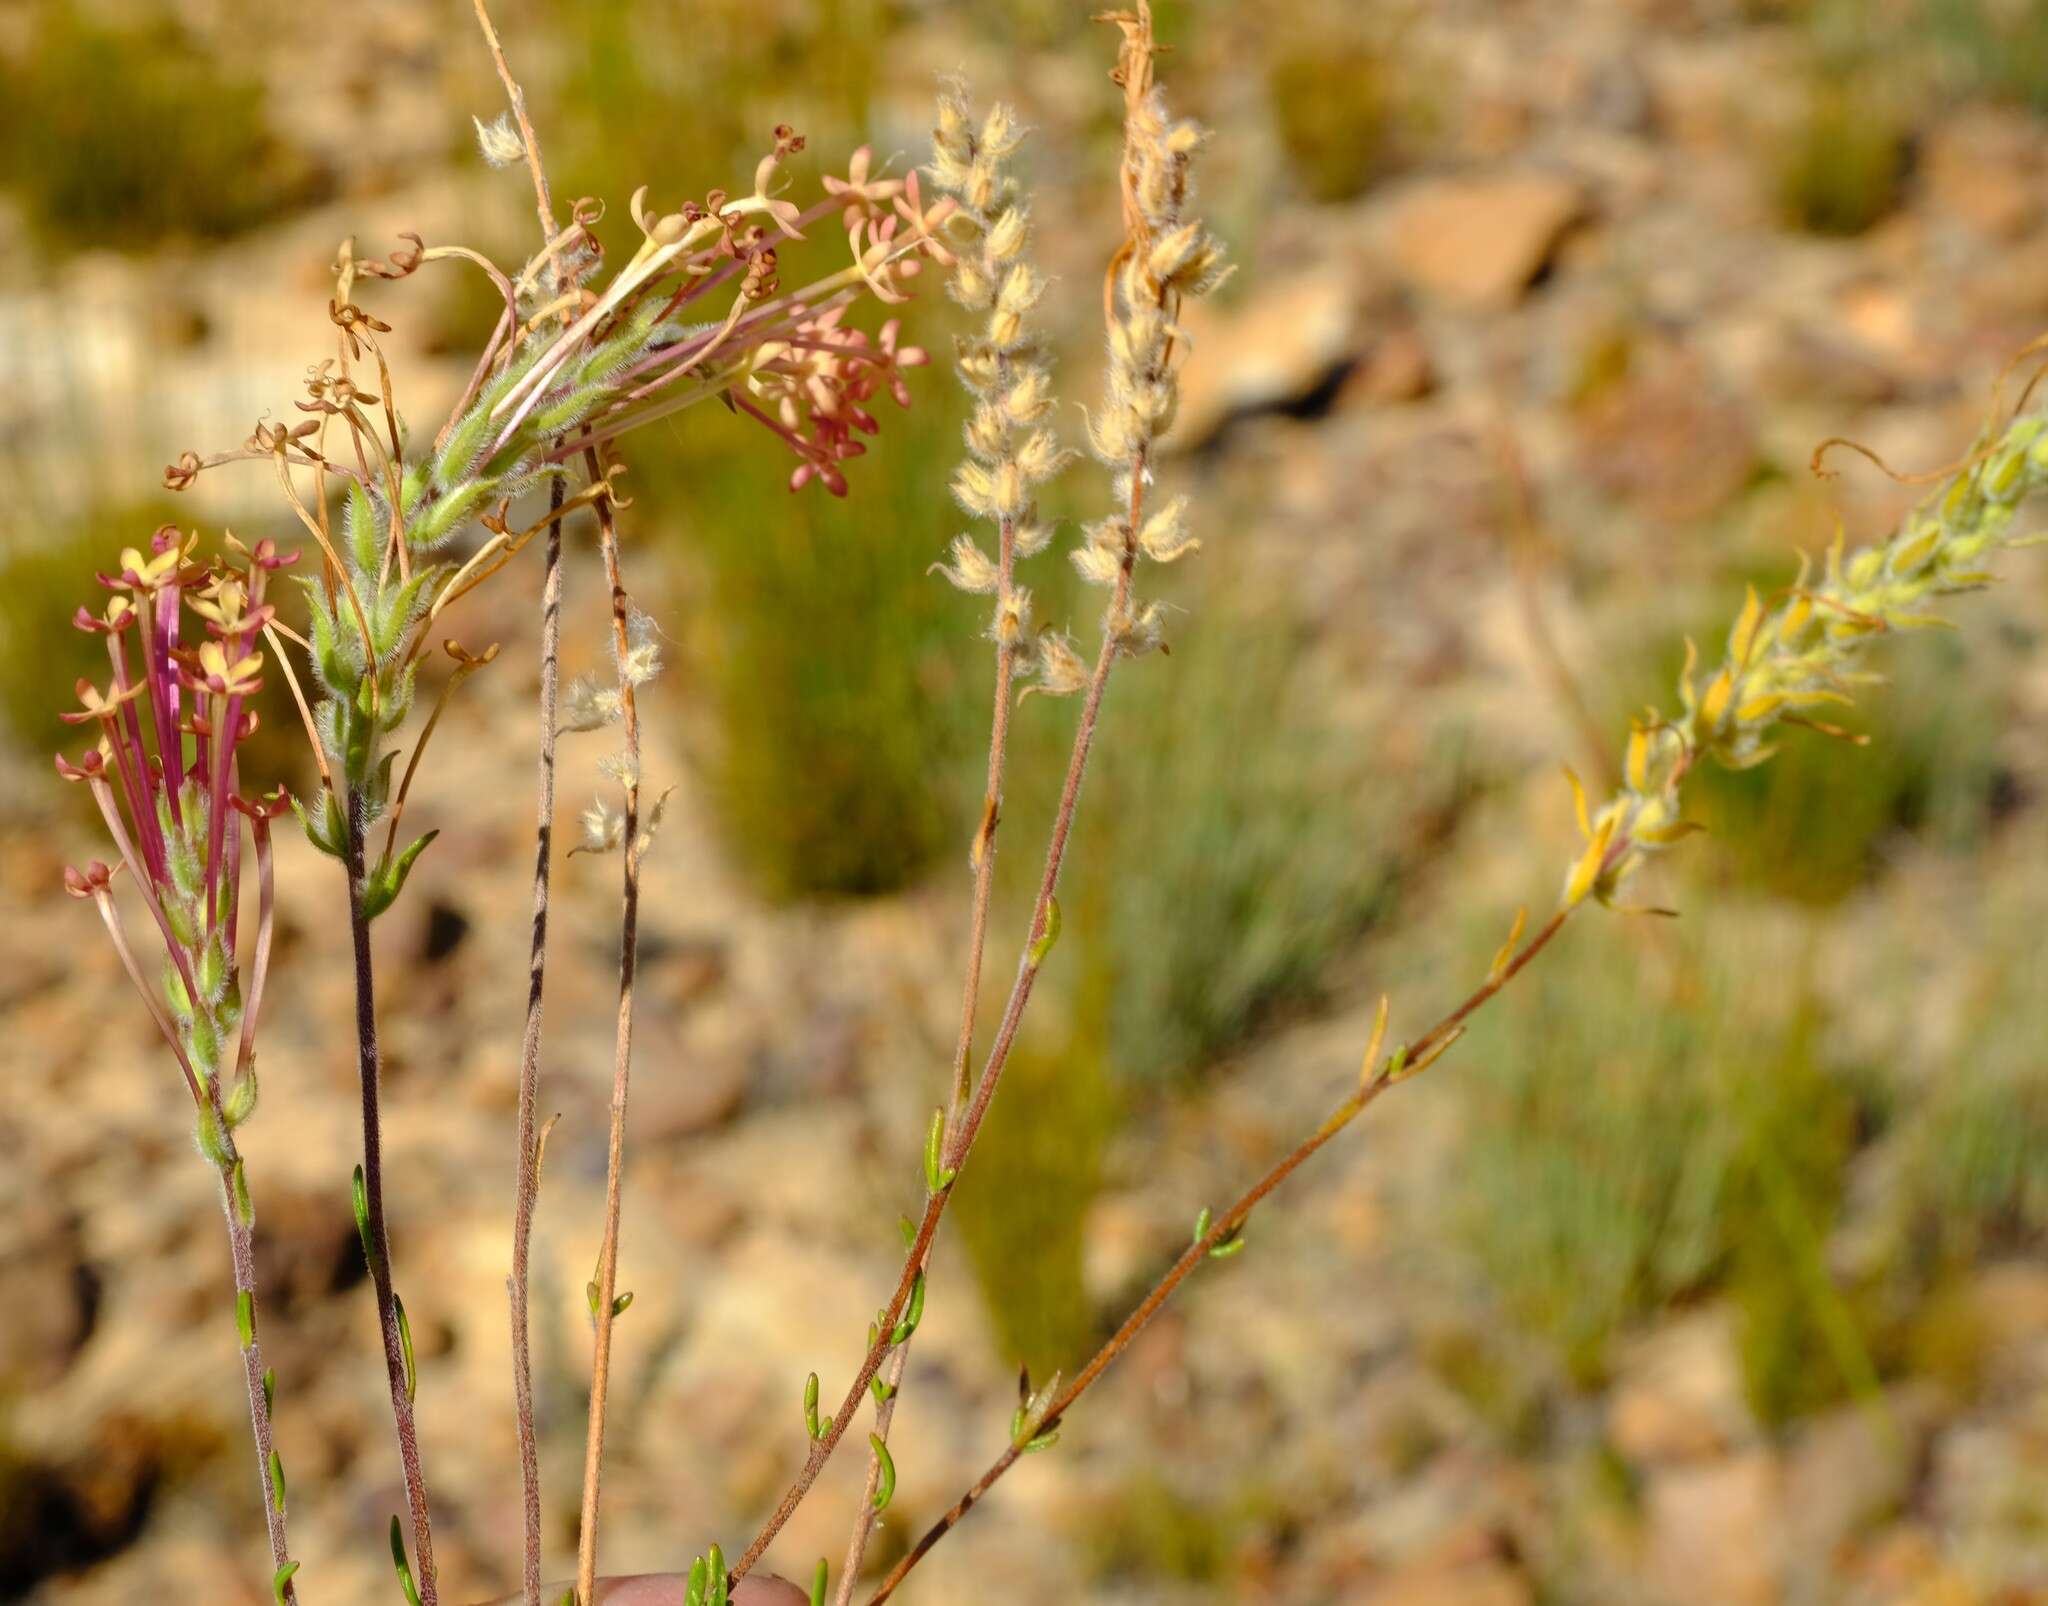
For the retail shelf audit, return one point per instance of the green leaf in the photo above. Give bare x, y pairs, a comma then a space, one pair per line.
818, 1581
1047, 937
412, 1591
238, 1194
269, 1390
277, 1480
245, 1317
359, 1197
937, 1177
913, 1315
327, 834
811, 1425
412, 1380
281, 1579
383, 885
885, 1490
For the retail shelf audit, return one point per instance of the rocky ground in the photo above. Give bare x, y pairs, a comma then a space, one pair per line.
1584, 275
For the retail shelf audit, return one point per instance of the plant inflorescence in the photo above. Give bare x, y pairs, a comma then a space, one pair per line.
579, 358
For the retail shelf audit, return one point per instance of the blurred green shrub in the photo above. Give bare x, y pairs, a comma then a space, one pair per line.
1023, 1205
1626, 1151
1348, 102
126, 138
2001, 45
1840, 165
845, 688
1233, 842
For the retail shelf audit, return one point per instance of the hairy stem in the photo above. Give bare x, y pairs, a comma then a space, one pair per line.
961, 1141
369, 1065
528, 1187
629, 927
242, 1251
984, 861
1224, 1227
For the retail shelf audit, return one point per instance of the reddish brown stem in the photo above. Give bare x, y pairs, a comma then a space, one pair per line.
629, 923
1222, 1228
369, 1063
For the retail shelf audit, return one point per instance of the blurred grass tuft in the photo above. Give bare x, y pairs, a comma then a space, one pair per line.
131, 138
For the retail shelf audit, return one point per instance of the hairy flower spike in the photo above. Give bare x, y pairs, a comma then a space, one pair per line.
1785, 659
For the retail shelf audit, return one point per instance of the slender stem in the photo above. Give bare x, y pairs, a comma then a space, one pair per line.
242, 1250
1227, 1225
984, 861
369, 1064
528, 1187
864, 1517
962, 1141
629, 925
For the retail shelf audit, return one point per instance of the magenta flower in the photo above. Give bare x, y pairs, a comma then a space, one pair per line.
164, 773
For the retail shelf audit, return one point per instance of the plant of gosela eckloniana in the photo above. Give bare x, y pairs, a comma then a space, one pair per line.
164, 772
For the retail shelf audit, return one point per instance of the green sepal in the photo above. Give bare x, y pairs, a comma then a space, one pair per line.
207, 1134
412, 1590
241, 1099
383, 885
328, 834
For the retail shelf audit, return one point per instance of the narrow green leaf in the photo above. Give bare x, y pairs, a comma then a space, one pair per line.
811, 1425
1047, 937
818, 1581
913, 1315
281, 1579
412, 1379
885, 1490
277, 1480
623, 1303
245, 1317
412, 1590
359, 1197
269, 1391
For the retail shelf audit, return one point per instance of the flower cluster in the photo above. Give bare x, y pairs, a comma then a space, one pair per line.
1004, 365
165, 775
1795, 656
1168, 255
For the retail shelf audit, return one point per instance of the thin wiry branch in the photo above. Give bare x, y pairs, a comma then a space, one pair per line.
527, 1188
1379, 1076
605, 1311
